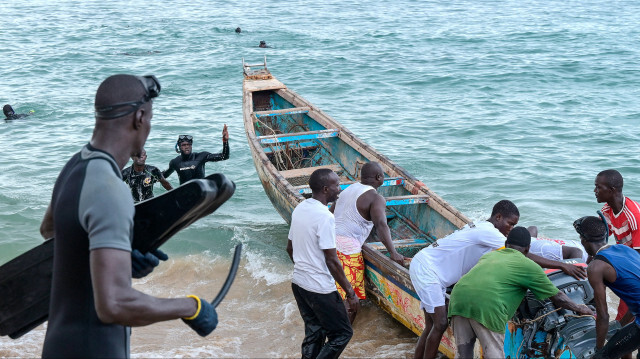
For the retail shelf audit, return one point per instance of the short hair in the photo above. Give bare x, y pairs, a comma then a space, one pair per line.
613, 178
506, 208
593, 229
119, 88
519, 236
370, 170
319, 178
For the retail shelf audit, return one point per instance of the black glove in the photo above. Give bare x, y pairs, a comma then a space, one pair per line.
143, 264
205, 320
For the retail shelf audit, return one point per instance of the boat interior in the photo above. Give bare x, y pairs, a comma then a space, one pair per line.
297, 144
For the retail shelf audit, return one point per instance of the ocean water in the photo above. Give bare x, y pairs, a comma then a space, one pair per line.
481, 100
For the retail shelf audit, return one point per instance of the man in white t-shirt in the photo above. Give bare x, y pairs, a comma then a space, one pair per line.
555, 249
445, 261
316, 269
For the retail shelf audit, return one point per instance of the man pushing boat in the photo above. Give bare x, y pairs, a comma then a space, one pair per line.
356, 211
445, 261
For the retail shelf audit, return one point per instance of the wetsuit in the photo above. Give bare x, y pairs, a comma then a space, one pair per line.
92, 209
626, 262
16, 116
192, 166
141, 183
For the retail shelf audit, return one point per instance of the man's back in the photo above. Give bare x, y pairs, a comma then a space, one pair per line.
491, 292
86, 217
626, 262
350, 222
454, 255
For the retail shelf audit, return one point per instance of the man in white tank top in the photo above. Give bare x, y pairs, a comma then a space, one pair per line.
356, 211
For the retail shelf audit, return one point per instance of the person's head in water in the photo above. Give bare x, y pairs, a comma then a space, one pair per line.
371, 174
185, 143
140, 159
519, 239
505, 216
238, 30
123, 110
263, 44
8, 111
593, 233
325, 185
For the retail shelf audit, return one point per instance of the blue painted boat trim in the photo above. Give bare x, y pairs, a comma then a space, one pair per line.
399, 285
400, 202
281, 113
392, 181
271, 139
299, 145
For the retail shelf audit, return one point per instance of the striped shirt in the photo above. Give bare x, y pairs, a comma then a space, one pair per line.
624, 225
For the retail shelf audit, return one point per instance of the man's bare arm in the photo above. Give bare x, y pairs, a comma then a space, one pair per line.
378, 214
570, 269
596, 279
290, 250
117, 302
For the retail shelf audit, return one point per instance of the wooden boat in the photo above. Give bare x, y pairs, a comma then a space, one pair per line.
290, 138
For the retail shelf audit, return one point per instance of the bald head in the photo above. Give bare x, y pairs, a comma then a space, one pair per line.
116, 90
372, 174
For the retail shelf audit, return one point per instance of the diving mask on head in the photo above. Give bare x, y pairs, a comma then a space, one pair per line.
152, 89
183, 138
577, 224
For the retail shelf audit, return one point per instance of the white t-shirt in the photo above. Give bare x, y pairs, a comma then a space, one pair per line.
453, 256
312, 230
552, 248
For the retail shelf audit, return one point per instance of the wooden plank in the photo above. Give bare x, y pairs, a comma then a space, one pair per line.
299, 172
403, 200
262, 85
393, 181
284, 111
298, 136
297, 146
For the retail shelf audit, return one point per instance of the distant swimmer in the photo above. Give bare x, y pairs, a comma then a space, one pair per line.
263, 45
238, 30
93, 304
190, 165
141, 177
10, 114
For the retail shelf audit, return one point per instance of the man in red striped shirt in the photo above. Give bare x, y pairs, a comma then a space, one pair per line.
622, 215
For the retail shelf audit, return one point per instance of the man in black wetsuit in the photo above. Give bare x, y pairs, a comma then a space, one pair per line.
10, 114
141, 177
91, 213
190, 165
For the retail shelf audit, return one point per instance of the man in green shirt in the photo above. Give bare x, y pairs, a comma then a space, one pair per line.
485, 298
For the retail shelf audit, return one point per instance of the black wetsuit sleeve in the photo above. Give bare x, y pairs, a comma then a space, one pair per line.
166, 173
125, 175
155, 172
224, 155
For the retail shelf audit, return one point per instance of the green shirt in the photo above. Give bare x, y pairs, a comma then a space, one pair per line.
492, 290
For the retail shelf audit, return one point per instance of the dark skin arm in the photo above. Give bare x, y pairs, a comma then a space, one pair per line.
118, 303
335, 267
290, 250
377, 209
561, 300
597, 275
574, 271
46, 227
165, 183
571, 252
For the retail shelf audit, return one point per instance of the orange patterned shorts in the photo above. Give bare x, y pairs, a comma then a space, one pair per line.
353, 266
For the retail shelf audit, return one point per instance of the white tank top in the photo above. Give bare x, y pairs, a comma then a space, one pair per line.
351, 229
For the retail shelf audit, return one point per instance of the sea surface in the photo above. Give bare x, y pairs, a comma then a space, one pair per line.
480, 100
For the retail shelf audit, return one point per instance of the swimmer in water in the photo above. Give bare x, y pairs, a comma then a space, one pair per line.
10, 114
263, 44
190, 165
238, 30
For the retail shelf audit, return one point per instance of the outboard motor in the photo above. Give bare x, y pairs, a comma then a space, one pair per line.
548, 332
